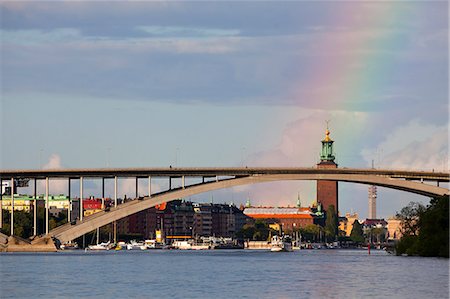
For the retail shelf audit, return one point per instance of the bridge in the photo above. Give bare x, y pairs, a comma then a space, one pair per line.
418, 182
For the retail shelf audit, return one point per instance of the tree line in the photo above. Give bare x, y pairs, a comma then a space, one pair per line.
425, 230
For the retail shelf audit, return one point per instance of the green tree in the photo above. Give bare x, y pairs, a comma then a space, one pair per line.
331, 224
378, 234
433, 239
426, 231
409, 217
356, 234
23, 223
259, 231
310, 232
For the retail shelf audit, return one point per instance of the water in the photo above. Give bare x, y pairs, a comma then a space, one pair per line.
222, 274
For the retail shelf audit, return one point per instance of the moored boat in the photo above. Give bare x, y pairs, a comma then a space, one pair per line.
100, 246
283, 243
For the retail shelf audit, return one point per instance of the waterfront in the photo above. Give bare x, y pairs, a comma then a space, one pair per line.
222, 274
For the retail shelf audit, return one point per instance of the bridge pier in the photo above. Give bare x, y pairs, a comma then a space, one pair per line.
35, 208
12, 206
115, 206
17, 244
46, 205
70, 202
137, 187
149, 186
81, 198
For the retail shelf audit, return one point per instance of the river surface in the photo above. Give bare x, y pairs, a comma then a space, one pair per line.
222, 274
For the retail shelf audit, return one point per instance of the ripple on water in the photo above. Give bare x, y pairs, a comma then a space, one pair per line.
222, 274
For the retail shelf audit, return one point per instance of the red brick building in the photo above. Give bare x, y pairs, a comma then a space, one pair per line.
327, 191
290, 218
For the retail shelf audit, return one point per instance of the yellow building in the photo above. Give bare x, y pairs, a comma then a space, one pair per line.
21, 202
25, 202
346, 224
394, 228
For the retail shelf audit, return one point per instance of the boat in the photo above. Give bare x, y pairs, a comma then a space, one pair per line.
189, 245
100, 246
133, 245
69, 246
283, 243
152, 244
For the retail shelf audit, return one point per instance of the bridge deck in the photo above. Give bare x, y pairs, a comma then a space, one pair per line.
215, 171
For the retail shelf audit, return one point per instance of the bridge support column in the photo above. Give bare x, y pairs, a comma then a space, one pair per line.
170, 183
115, 191
137, 186
35, 208
46, 206
103, 187
12, 206
149, 186
103, 207
182, 182
115, 206
81, 198
69, 208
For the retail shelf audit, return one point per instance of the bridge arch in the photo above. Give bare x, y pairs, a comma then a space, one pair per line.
70, 232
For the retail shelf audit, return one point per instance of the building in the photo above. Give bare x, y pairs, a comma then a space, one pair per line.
289, 218
327, 191
202, 219
372, 202
21, 202
394, 228
181, 219
346, 223
223, 220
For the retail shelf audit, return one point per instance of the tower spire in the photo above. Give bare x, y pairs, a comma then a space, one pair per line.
327, 154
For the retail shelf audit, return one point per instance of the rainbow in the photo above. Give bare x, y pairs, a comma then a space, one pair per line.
358, 63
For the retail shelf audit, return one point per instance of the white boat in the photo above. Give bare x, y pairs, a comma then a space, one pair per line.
133, 245
152, 244
189, 245
283, 243
101, 246
69, 246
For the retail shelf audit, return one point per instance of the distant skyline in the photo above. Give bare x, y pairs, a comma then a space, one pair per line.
153, 84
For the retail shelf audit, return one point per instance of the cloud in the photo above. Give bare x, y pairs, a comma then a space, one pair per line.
300, 146
54, 162
429, 154
415, 145
187, 32
56, 186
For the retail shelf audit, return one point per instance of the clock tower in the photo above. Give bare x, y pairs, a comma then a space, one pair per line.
327, 191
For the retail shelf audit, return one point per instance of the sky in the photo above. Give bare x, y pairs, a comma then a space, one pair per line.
212, 83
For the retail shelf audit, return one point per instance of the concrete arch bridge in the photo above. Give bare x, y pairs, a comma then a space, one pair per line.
411, 181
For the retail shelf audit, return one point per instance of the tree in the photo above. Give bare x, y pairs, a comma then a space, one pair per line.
409, 217
310, 232
331, 223
426, 231
258, 231
378, 234
433, 239
356, 234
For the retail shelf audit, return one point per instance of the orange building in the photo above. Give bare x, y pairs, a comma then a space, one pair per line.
289, 218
